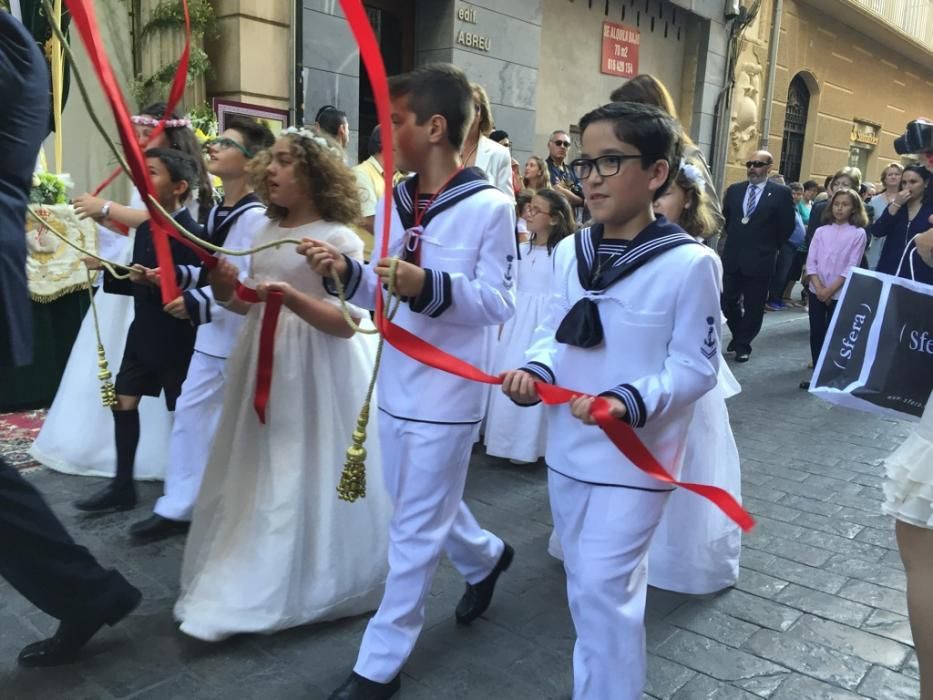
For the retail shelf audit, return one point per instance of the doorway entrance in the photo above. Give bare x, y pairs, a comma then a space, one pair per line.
795, 128
393, 23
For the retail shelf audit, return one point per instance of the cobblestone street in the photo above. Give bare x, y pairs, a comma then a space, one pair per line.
819, 612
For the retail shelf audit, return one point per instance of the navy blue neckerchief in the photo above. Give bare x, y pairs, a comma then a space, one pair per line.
464, 184
218, 235
582, 326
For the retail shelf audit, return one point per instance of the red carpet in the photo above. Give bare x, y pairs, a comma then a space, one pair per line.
17, 431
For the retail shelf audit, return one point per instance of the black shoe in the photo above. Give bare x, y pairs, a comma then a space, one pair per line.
110, 497
71, 637
743, 355
155, 528
476, 598
805, 386
356, 687
731, 346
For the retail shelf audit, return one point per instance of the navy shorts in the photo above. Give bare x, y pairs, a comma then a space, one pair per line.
136, 378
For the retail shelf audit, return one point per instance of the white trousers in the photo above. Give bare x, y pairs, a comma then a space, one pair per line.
425, 467
197, 414
605, 532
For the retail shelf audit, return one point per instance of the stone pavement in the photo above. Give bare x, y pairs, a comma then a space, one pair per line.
818, 613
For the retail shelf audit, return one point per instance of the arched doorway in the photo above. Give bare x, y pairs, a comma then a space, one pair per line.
795, 128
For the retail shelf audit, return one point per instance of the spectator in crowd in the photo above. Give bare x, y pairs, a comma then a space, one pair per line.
824, 193
536, 174
561, 174
891, 183
370, 179
333, 122
847, 178
790, 259
646, 89
908, 215
777, 178
759, 219
480, 151
867, 192
810, 189
502, 138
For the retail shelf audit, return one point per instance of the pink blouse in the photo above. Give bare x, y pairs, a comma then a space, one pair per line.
834, 250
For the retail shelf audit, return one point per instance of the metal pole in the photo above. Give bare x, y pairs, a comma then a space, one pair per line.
772, 70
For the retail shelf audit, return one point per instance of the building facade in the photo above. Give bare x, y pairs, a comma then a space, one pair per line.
543, 62
849, 75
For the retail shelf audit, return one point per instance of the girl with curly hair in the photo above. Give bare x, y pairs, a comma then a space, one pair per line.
271, 546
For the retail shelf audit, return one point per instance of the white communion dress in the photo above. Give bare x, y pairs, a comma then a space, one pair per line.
271, 546
77, 436
908, 489
512, 431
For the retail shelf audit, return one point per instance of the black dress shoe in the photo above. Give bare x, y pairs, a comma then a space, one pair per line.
155, 528
743, 356
109, 498
356, 687
71, 637
731, 346
805, 385
476, 598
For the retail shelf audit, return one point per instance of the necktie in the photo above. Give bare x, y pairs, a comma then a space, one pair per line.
752, 200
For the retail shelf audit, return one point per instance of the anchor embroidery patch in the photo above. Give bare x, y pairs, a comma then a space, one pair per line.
709, 343
507, 279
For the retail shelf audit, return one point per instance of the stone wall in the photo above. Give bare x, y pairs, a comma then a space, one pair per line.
852, 77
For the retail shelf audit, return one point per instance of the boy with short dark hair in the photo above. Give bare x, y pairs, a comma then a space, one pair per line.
650, 348
158, 347
455, 234
233, 223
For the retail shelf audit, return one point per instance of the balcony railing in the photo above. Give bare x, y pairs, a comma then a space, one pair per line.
911, 17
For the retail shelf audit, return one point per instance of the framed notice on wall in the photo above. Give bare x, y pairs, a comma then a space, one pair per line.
275, 119
620, 50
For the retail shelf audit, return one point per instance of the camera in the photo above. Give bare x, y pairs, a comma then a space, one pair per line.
917, 138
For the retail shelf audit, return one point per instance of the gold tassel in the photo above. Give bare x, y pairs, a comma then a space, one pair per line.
108, 395
353, 479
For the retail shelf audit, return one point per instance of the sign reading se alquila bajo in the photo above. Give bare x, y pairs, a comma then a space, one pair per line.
472, 40
620, 50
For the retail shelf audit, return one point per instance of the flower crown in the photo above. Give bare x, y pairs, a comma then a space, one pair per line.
693, 173
146, 120
308, 135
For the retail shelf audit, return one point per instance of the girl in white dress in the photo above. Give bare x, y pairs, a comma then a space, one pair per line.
271, 546
696, 547
85, 447
519, 433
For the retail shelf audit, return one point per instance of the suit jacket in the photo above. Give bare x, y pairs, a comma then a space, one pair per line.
155, 338
24, 119
751, 248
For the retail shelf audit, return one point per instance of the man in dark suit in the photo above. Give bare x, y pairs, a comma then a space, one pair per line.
759, 219
37, 555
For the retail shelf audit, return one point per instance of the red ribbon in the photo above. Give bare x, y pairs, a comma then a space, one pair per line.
270, 319
622, 435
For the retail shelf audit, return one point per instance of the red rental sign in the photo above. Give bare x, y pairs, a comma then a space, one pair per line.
620, 50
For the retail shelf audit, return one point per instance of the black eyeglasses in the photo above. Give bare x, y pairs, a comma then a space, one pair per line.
606, 166
224, 143
757, 163
565, 144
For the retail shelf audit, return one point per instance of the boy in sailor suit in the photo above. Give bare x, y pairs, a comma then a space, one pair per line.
635, 319
455, 235
232, 224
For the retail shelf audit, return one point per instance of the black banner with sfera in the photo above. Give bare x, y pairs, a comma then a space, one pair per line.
878, 352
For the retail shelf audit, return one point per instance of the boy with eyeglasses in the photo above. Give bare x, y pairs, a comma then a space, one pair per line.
636, 321
233, 224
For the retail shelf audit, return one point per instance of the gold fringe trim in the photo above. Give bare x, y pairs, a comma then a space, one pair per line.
55, 296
